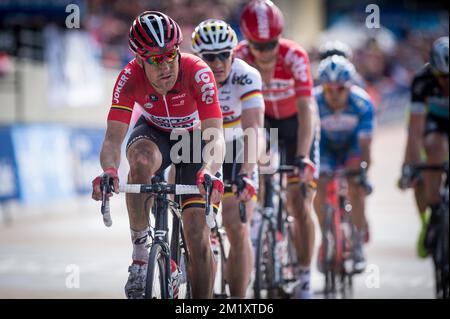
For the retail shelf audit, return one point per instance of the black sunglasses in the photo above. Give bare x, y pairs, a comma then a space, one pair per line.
210, 57
264, 46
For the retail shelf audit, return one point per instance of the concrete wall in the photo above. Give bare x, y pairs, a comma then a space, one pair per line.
33, 101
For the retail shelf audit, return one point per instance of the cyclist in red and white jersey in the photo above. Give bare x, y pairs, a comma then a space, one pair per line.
242, 105
176, 93
287, 89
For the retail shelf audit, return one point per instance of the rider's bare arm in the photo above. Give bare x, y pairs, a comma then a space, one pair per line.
307, 120
365, 142
414, 143
252, 119
215, 142
110, 153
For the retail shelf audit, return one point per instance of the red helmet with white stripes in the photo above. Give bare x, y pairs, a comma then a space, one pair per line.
261, 21
153, 31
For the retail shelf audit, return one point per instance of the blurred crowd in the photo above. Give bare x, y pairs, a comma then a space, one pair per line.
387, 69
108, 21
388, 73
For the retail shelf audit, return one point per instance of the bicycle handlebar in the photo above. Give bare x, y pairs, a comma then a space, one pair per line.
105, 201
171, 189
360, 174
159, 188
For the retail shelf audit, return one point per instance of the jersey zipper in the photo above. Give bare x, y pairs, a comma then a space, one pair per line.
167, 111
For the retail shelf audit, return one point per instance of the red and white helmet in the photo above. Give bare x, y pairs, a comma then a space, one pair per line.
261, 21
152, 31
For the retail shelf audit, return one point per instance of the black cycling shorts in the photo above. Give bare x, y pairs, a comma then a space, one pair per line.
188, 168
436, 124
233, 161
287, 138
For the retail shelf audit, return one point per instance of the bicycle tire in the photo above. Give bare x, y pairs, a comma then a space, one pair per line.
329, 242
290, 264
157, 266
265, 262
441, 257
445, 259
184, 291
348, 234
220, 272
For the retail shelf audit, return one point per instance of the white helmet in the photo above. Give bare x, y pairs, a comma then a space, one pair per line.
335, 48
213, 35
336, 69
439, 55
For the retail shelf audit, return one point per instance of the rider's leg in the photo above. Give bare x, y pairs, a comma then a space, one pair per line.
240, 260
300, 207
421, 203
319, 207
202, 267
436, 148
145, 159
327, 166
320, 200
357, 196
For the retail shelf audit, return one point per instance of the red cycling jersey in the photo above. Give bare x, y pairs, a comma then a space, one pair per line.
291, 78
193, 97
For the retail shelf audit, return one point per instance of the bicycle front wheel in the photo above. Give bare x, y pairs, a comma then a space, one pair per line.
157, 275
265, 269
441, 258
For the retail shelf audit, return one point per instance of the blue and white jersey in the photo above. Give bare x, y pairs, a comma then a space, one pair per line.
341, 129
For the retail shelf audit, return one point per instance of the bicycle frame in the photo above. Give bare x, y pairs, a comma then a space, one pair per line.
336, 196
338, 233
160, 236
281, 261
160, 246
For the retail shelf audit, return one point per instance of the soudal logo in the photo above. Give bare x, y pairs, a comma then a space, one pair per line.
203, 76
187, 121
299, 67
120, 84
148, 105
263, 21
180, 96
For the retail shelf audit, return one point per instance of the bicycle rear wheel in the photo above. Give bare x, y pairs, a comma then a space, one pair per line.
157, 273
265, 269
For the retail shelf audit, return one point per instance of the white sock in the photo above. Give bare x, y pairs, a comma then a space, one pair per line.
304, 276
139, 240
